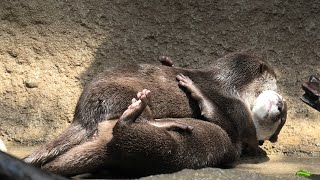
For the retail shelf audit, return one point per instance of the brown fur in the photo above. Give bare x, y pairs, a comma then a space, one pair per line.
170, 148
107, 96
142, 148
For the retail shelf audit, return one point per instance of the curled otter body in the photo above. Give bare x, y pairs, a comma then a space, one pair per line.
171, 144
158, 146
107, 96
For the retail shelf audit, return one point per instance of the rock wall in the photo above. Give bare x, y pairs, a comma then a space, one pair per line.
50, 49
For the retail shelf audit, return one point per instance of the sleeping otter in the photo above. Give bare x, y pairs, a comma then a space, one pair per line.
159, 150
192, 143
140, 149
107, 96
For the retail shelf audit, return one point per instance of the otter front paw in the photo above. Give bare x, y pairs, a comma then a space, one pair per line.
187, 83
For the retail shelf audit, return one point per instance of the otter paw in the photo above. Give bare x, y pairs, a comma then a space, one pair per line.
165, 60
144, 96
185, 81
136, 107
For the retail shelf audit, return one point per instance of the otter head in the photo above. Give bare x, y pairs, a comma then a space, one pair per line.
249, 75
269, 115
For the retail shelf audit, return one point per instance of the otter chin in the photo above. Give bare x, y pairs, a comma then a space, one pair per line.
269, 113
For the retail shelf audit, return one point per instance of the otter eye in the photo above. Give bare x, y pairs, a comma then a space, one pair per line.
262, 68
279, 108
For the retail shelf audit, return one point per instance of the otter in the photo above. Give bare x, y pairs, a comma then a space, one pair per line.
107, 96
159, 150
148, 142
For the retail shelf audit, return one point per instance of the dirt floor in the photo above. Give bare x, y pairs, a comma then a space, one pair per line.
50, 49
270, 167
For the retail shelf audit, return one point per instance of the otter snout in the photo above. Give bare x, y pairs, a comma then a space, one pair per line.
280, 105
268, 112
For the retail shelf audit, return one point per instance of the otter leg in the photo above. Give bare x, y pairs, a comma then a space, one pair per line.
72, 136
208, 110
138, 106
233, 107
80, 159
171, 125
86, 157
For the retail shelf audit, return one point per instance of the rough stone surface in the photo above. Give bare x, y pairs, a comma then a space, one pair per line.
50, 49
218, 174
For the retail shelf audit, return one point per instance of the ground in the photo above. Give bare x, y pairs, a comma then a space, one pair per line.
50, 49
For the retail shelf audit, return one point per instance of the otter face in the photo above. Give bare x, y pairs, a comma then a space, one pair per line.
263, 83
269, 114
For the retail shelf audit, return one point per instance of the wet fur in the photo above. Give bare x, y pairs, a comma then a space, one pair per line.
108, 95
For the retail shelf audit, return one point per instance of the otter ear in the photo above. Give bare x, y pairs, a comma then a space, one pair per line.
263, 68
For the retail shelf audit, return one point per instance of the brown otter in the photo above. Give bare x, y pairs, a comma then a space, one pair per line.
158, 150
148, 145
106, 96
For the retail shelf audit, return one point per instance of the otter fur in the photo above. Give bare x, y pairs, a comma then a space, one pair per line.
159, 150
166, 145
108, 94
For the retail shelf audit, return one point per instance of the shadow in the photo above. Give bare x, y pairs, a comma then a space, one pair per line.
143, 31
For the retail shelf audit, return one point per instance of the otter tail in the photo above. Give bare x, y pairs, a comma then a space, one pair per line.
73, 135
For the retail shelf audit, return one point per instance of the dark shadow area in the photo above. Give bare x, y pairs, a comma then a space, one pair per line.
143, 31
